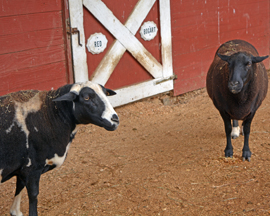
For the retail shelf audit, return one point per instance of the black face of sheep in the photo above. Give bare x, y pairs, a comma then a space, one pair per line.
90, 105
237, 83
240, 67
37, 128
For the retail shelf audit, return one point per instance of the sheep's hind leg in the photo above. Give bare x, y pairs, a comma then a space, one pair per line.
235, 130
15, 208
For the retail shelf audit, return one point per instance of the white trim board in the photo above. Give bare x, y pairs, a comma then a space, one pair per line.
139, 91
78, 52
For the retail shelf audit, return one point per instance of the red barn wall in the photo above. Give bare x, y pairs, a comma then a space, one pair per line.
32, 45
35, 52
199, 27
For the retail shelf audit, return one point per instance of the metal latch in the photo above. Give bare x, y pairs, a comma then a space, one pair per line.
172, 77
73, 31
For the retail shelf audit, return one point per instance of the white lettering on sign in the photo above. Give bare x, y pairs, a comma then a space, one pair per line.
96, 43
148, 31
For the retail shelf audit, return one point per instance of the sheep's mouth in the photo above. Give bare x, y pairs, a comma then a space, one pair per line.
235, 91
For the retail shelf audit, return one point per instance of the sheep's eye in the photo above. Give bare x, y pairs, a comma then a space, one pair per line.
86, 98
248, 64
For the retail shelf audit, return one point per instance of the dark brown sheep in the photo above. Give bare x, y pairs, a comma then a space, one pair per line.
237, 83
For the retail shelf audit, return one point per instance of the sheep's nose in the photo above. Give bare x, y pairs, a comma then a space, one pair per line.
234, 83
115, 118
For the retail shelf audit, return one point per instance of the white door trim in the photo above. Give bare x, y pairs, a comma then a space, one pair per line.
78, 52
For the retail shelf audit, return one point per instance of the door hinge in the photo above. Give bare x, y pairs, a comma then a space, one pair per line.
172, 77
71, 30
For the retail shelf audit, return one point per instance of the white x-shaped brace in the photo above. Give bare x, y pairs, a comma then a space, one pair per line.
125, 39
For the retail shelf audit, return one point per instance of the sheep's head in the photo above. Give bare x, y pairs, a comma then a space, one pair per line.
90, 105
240, 65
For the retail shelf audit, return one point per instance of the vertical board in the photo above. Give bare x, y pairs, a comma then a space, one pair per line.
33, 45
79, 60
165, 19
200, 27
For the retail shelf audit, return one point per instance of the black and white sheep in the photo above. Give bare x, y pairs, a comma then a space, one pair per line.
37, 127
237, 83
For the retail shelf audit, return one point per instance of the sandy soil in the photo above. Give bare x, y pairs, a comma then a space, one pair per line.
163, 160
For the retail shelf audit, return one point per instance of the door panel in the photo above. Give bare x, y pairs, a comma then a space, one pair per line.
128, 71
129, 64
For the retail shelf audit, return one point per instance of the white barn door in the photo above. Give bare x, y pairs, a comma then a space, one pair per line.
124, 41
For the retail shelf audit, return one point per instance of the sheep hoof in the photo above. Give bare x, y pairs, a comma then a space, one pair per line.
229, 153
247, 159
246, 155
234, 137
15, 215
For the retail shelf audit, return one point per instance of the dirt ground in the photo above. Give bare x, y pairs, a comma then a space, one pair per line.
162, 160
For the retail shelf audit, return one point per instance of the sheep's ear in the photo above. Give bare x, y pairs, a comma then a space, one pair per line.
224, 57
108, 92
70, 96
258, 58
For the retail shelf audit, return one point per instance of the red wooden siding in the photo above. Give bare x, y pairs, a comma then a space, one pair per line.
200, 27
33, 48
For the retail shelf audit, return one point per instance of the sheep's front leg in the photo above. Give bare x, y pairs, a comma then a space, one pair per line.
33, 191
246, 151
228, 129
